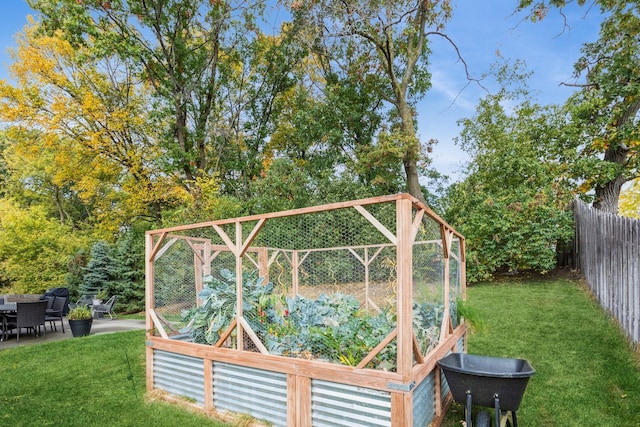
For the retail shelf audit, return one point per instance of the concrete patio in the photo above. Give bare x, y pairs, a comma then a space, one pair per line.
99, 326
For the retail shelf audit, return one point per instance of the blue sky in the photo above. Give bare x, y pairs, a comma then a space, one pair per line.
480, 28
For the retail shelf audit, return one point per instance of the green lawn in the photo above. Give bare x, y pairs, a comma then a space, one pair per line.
586, 373
92, 381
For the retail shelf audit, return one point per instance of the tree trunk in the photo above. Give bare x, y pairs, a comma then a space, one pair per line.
412, 148
607, 195
413, 182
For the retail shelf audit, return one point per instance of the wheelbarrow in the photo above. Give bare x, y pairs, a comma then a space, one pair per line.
493, 382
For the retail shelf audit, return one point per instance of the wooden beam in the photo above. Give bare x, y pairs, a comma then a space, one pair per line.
416, 350
293, 212
154, 249
223, 235
149, 283
254, 338
196, 251
373, 353
377, 224
226, 333
149, 369
165, 321
417, 222
158, 324
252, 236
239, 293
303, 402
165, 248
208, 384
356, 256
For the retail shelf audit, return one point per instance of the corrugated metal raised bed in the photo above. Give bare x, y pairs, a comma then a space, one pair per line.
332, 315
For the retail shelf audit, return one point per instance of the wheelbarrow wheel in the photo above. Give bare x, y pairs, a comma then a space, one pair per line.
483, 419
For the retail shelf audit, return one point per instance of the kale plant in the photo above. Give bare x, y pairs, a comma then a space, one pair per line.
332, 327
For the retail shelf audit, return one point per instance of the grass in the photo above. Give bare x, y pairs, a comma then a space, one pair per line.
586, 373
97, 380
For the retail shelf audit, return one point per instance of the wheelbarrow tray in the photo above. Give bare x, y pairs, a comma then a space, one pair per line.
485, 377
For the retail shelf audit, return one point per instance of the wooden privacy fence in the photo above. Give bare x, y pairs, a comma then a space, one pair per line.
608, 254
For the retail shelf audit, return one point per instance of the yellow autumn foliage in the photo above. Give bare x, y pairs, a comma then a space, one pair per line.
39, 262
629, 202
93, 120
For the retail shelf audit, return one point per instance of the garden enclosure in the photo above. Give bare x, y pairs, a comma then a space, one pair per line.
323, 316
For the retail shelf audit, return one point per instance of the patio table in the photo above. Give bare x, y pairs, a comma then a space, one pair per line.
6, 308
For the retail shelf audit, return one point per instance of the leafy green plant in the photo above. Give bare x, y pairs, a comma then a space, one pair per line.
471, 316
80, 312
332, 327
213, 317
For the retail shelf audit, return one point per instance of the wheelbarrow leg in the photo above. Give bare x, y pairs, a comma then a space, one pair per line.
467, 409
496, 401
515, 420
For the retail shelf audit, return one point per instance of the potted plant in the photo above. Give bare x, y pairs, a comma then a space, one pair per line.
80, 320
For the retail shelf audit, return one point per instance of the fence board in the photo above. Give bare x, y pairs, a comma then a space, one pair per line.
608, 255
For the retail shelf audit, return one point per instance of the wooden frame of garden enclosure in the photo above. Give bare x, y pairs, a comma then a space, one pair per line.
332, 315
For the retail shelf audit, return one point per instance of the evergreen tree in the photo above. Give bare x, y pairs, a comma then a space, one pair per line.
99, 273
129, 272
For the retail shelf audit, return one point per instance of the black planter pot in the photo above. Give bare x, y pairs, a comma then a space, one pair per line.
80, 327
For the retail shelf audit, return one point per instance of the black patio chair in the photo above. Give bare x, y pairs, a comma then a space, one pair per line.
29, 315
50, 301
106, 308
56, 312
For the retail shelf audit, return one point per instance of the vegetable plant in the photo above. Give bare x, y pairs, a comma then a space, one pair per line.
331, 327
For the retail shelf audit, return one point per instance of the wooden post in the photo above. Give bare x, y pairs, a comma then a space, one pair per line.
239, 313
202, 267
263, 264
405, 287
463, 269
299, 401
208, 385
198, 273
366, 263
294, 272
149, 288
207, 258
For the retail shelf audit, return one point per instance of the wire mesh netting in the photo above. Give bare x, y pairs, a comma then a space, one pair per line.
318, 285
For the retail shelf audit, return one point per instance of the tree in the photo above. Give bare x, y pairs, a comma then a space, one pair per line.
28, 180
75, 271
607, 106
81, 131
604, 121
128, 273
34, 249
511, 206
99, 272
213, 74
327, 128
383, 45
